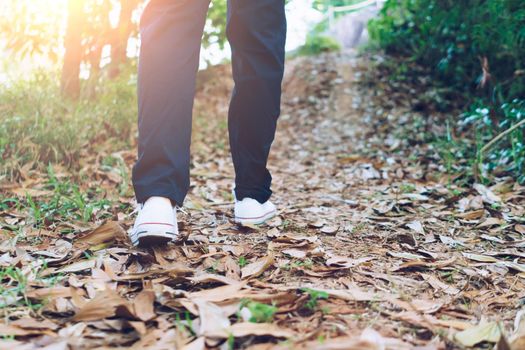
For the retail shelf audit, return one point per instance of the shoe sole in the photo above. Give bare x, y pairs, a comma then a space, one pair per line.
256, 221
152, 235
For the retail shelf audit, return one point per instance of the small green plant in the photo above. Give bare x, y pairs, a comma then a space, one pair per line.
306, 264
242, 261
407, 188
259, 312
315, 296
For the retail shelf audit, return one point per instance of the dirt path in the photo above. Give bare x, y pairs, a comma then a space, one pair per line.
373, 249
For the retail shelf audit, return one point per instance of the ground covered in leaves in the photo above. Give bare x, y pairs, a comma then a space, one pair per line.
375, 245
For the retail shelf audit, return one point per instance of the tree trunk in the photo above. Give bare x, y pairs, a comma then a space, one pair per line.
121, 35
101, 38
70, 82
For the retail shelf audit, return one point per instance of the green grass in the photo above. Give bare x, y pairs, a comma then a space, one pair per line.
67, 201
39, 126
15, 281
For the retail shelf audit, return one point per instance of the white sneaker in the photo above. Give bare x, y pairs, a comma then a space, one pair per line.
156, 223
251, 212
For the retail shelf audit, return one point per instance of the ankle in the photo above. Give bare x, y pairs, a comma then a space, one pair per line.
158, 200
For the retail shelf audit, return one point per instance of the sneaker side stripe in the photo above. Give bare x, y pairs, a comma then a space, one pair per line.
156, 223
255, 217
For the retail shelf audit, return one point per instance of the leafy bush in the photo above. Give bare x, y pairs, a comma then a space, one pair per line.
468, 43
476, 48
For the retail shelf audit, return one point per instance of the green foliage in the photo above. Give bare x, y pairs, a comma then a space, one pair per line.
455, 37
476, 48
317, 44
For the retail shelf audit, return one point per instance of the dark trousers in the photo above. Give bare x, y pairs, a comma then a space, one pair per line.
171, 34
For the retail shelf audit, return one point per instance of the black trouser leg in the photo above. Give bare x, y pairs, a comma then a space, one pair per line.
257, 34
171, 34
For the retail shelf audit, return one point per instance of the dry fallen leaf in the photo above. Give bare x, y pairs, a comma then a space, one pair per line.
406, 256
244, 329
102, 306
480, 258
440, 286
258, 267
339, 261
485, 331
517, 340
78, 266
197, 344
12, 330
491, 259
214, 323
487, 195
143, 305
218, 294
520, 229
416, 226
329, 230
472, 215
294, 253
491, 222
31, 323
107, 232
369, 340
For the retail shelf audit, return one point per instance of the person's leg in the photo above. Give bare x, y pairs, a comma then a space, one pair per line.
257, 34
171, 33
